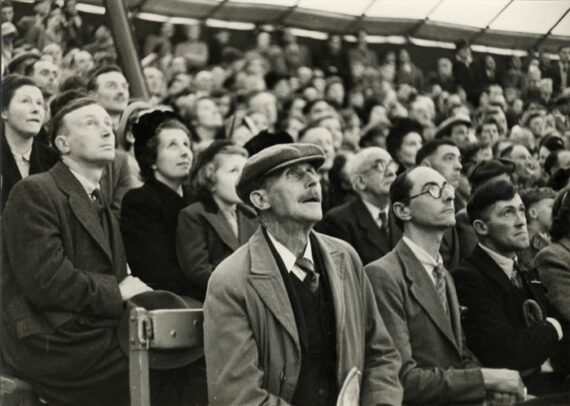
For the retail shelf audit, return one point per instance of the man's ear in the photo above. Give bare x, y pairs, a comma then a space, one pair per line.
533, 213
61, 144
425, 162
402, 211
357, 183
480, 227
259, 199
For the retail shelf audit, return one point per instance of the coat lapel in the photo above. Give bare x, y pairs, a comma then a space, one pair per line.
424, 292
220, 224
247, 223
81, 206
266, 279
454, 310
485, 264
335, 267
371, 229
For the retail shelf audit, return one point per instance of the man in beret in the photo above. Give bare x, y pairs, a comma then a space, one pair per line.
64, 271
290, 314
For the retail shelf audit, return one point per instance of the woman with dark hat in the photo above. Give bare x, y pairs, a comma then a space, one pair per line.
404, 141
215, 225
23, 112
149, 213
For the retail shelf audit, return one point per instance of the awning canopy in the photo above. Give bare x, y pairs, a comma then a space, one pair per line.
508, 24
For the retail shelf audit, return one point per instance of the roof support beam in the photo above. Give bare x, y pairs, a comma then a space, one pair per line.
545, 36
486, 28
290, 10
354, 24
214, 10
421, 23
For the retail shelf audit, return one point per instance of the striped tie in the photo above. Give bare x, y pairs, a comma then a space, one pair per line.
311, 278
439, 275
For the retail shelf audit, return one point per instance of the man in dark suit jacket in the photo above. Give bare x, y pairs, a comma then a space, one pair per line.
505, 324
64, 270
417, 301
560, 71
357, 221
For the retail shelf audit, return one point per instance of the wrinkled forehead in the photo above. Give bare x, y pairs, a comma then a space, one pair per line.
112, 76
90, 110
501, 205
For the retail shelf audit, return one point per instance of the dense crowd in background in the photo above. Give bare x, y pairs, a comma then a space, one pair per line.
231, 103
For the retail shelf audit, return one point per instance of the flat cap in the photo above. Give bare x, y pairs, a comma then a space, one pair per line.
489, 169
272, 159
449, 122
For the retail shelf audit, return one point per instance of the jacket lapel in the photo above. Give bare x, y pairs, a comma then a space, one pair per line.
266, 279
220, 224
486, 265
81, 206
454, 310
335, 267
247, 223
368, 224
421, 287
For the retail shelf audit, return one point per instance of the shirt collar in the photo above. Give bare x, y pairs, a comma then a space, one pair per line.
505, 263
287, 256
374, 210
88, 185
427, 261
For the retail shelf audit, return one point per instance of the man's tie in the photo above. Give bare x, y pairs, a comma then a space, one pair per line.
311, 278
439, 275
100, 206
97, 199
383, 222
516, 278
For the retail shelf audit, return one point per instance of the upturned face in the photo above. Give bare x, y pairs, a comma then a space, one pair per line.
25, 112
173, 156
112, 91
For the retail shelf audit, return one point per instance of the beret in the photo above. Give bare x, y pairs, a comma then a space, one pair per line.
266, 139
207, 155
450, 122
145, 127
489, 169
134, 107
23, 59
272, 159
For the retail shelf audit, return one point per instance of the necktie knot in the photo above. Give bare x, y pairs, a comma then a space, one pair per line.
311, 277
516, 275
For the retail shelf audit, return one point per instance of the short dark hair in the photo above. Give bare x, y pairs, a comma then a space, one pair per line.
92, 83
400, 128
400, 192
561, 215
559, 180
487, 195
431, 147
551, 161
487, 121
11, 83
552, 142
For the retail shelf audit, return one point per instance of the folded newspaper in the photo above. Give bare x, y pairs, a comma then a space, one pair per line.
350, 392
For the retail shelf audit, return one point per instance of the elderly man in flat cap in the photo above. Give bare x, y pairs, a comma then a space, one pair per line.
290, 317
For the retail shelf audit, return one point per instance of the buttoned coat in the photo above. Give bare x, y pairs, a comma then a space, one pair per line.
60, 292
204, 238
437, 367
252, 346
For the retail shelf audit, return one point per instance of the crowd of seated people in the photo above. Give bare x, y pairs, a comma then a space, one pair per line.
452, 188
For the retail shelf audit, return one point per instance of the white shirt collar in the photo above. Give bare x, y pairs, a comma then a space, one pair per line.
289, 258
88, 185
375, 210
505, 263
427, 261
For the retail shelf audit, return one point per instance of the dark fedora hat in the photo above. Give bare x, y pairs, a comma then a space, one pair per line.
272, 159
156, 300
486, 170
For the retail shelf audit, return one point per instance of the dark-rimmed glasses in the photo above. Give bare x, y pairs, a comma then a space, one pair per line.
434, 190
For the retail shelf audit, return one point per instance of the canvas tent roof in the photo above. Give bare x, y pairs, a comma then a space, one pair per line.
509, 24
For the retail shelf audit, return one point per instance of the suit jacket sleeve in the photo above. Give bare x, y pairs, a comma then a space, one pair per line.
192, 249
380, 383
234, 377
490, 333
421, 385
148, 243
46, 276
554, 270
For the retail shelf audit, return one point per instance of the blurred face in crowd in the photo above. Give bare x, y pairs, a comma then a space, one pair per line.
378, 114
541, 211
318, 110
503, 226
335, 43
224, 104
543, 153
167, 29
181, 81
411, 144
489, 133
422, 113
229, 167
297, 106
564, 54
526, 166
323, 138
263, 40
483, 154
460, 134
178, 65
207, 114
335, 93
292, 195
173, 157
447, 161
155, 81
46, 76
86, 136
335, 129
83, 62
535, 125
25, 112
424, 210
260, 121
444, 67
374, 175
304, 74
282, 89
7, 14
112, 91
204, 82
266, 104
54, 51
193, 32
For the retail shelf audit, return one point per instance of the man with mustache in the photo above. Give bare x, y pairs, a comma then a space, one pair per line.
416, 299
64, 273
506, 324
290, 314
110, 88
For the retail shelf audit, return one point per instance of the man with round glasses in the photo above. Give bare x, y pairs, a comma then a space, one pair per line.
364, 222
416, 298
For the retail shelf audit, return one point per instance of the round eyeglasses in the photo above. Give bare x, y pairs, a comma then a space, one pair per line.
383, 167
434, 190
